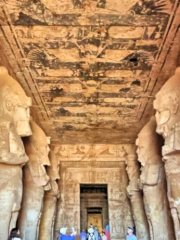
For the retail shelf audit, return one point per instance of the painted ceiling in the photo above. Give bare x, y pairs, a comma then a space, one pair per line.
92, 67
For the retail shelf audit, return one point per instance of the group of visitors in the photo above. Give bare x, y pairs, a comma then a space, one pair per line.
91, 234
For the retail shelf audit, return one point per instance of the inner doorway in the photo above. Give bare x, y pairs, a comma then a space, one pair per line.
94, 217
93, 206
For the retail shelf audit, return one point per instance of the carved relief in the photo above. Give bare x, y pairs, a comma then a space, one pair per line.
91, 73
119, 206
136, 198
57, 46
13, 106
98, 152
89, 68
35, 182
153, 183
167, 118
75, 173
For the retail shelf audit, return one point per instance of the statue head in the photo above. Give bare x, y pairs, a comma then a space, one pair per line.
40, 143
148, 142
37, 150
133, 171
132, 167
166, 104
53, 170
15, 105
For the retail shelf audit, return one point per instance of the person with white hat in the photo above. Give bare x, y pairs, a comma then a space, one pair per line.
63, 235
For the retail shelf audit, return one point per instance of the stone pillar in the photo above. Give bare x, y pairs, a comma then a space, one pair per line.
136, 198
50, 200
14, 111
35, 182
167, 105
153, 183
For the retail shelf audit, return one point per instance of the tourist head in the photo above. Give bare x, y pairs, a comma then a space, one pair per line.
130, 230
63, 230
14, 233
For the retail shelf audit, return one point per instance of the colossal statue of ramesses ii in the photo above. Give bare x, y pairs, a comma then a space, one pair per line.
167, 106
14, 111
153, 183
35, 182
50, 199
136, 198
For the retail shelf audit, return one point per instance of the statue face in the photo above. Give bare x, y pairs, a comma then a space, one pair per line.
141, 150
17, 112
166, 107
54, 187
38, 172
53, 170
16, 106
43, 152
37, 150
130, 168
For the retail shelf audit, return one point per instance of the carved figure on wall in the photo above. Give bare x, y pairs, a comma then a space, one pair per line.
85, 177
35, 182
69, 177
167, 105
12, 153
114, 223
153, 183
46, 230
136, 198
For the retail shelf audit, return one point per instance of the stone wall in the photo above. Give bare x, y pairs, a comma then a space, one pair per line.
111, 173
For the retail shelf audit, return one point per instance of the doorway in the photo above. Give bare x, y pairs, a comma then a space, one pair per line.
93, 206
94, 217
